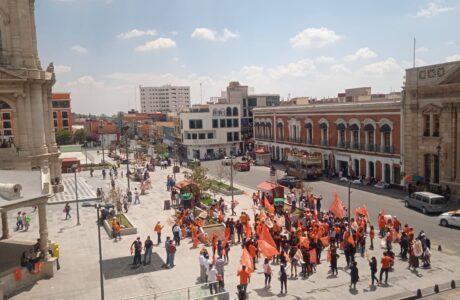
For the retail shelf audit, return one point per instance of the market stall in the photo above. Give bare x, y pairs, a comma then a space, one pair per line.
272, 189
263, 157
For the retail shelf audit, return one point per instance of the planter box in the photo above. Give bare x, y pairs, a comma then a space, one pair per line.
211, 229
229, 193
124, 231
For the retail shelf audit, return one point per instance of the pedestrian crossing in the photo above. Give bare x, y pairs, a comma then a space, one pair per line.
85, 192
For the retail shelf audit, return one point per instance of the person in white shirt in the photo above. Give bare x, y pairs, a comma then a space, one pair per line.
202, 267
212, 278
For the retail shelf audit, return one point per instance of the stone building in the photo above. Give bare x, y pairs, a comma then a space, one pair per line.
25, 93
432, 124
358, 138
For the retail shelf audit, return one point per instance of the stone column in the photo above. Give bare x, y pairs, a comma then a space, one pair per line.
21, 125
5, 229
43, 229
46, 117
457, 150
38, 120
28, 118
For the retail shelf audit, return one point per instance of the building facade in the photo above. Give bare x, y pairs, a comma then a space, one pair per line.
211, 131
25, 94
359, 139
62, 111
432, 124
166, 98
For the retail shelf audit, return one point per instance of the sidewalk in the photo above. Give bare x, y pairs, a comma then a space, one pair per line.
79, 275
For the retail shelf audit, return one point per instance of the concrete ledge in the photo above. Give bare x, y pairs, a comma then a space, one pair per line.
124, 231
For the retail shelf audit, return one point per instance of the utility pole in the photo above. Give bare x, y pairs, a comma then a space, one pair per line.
98, 207
101, 127
75, 169
231, 175
127, 155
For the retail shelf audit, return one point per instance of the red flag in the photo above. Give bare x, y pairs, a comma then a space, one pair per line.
268, 206
313, 258
248, 230
325, 241
304, 242
267, 249
266, 236
350, 240
246, 260
337, 206
227, 233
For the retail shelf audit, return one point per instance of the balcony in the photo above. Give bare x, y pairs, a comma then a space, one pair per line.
294, 139
371, 147
324, 143
387, 149
264, 137
355, 146
341, 145
199, 142
309, 142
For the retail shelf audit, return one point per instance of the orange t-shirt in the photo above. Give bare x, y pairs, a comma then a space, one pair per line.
371, 234
244, 276
386, 262
157, 228
276, 228
252, 251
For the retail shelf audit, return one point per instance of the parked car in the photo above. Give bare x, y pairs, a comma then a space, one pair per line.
290, 181
227, 161
193, 163
426, 202
242, 166
451, 218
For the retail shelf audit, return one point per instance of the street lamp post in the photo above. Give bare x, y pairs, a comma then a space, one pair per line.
101, 126
98, 207
75, 169
231, 175
349, 206
127, 155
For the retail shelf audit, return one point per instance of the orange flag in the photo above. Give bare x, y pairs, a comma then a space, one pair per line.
246, 260
248, 230
362, 211
325, 241
227, 233
268, 206
337, 206
313, 257
267, 249
304, 242
351, 240
266, 236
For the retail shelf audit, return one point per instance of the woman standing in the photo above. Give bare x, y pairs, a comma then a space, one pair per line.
283, 278
292, 253
354, 275
267, 273
373, 266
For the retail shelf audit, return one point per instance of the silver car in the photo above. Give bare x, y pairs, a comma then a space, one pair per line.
451, 218
426, 202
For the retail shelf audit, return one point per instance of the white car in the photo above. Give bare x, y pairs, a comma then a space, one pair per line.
227, 161
451, 218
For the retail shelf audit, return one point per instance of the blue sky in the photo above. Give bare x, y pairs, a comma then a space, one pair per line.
103, 49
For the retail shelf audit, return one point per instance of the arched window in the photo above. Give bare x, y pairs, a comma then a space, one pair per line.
235, 111
4, 105
370, 137
229, 111
309, 128
215, 112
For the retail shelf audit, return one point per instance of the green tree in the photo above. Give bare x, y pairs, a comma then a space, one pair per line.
201, 182
80, 136
63, 137
161, 149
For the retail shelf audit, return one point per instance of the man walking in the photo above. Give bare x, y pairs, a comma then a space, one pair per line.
167, 252
212, 277
172, 253
386, 264
148, 245
67, 211
137, 200
137, 247
245, 278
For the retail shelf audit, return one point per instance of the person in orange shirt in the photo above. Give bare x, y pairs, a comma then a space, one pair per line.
245, 278
157, 229
117, 229
253, 253
382, 224
276, 228
396, 224
386, 264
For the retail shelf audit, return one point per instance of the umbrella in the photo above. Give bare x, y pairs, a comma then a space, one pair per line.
413, 178
186, 196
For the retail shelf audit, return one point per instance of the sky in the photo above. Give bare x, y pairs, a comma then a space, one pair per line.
104, 49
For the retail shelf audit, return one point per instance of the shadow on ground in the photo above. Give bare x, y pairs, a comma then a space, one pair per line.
121, 266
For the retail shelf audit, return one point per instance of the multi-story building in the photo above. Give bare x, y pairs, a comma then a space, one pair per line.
358, 138
210, 131
103, 131
62, 111
432, 124
166, 98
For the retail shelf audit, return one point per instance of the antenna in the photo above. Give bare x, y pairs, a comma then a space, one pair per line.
201, 93
414, 53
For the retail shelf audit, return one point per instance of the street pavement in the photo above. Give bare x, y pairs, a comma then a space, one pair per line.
78, 277
392, 203
70, 193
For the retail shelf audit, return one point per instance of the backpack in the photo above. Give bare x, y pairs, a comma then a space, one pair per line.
172, 249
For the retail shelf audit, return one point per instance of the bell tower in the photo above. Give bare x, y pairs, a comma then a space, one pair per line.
18, 39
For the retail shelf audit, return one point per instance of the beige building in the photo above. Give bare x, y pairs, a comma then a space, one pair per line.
432, 124
25, 93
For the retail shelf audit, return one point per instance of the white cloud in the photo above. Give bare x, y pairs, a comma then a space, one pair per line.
453, 58
314, 38
136, 33
61, 69
339, 68
325, 59
86, 80
449, 43
433, 9
160, 43
293, 69
361, 53
384, 66
406, 64
212, 35
422, 49
79, 49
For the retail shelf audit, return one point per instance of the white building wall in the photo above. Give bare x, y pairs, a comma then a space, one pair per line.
164, 99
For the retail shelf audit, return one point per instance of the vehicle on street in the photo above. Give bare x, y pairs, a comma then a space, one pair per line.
227, 160
451, 218
304, 165
241, 166
191, 163
290, 181
426, 202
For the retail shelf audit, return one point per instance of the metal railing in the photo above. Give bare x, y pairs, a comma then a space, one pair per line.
309, 141
324, 143
294, 139
341, 144
386, 149
195, 292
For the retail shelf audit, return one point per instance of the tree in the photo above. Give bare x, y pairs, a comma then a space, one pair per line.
80, 136
161, 149
199, 178
63, 137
